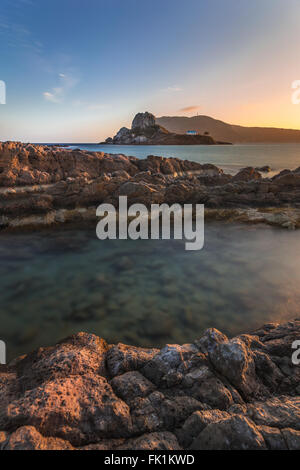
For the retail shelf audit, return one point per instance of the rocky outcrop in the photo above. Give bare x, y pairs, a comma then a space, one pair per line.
42, 185
216, 393
145, 131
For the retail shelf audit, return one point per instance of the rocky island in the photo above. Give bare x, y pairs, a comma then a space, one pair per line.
42, 185
215, 393
145, 131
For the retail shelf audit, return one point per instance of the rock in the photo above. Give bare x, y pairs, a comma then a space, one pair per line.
292, 438
234, 433
290, 179
78, 355
169, 358
144, 130
41, 185
28, 438
210, 339
264, 169
3, 439
198, 421
122, 358
132, 385
152, 441
247, 174
273, 438
210, 389
216, 393
142, 121
283, 412
79, 409
236, 362
142, 191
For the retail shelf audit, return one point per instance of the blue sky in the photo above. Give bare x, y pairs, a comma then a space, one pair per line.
78, 70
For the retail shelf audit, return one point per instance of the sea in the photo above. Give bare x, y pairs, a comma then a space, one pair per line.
230, 158
56, 282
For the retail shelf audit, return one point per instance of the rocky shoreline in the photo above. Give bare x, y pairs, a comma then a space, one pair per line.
216, 393
42, 186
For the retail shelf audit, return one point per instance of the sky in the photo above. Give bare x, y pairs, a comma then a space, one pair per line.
77, 71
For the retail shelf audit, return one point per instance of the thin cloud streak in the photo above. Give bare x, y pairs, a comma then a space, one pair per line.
172, 89
57, 94
189, 109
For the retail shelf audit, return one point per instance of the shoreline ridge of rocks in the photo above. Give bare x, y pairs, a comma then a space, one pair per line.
44, 186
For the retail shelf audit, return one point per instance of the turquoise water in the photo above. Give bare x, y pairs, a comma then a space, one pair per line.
230, 157
145, 292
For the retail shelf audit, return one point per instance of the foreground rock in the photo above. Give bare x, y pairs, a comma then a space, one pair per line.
42, 185
145, 131
217, 393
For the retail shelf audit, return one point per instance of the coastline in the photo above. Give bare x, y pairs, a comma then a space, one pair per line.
45, 186
178, 397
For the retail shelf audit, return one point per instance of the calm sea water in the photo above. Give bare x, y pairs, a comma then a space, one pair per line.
230, 157
145, 292
55, 283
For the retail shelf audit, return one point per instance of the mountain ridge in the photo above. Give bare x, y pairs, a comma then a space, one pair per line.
146, 131
222, 131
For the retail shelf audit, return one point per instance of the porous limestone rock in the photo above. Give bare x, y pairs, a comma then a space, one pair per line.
86, 394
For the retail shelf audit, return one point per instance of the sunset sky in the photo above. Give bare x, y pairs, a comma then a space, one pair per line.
76, 71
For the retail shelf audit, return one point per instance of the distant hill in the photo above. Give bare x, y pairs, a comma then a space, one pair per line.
221, 131
145, 131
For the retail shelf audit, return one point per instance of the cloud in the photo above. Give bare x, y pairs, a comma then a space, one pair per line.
189, 109
57, 94
172, 89
16, 35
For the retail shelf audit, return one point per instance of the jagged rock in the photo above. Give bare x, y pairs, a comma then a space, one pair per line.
86, 394
234, 433
291, 179
143, 120
75, 408
247, 174
264, 169
167, 360
236, 362
78, 355
28, 438
122, 358
292, 438
41, 185
273, 438
3, 439
195, 424
283, 412
131, 385
153, 441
